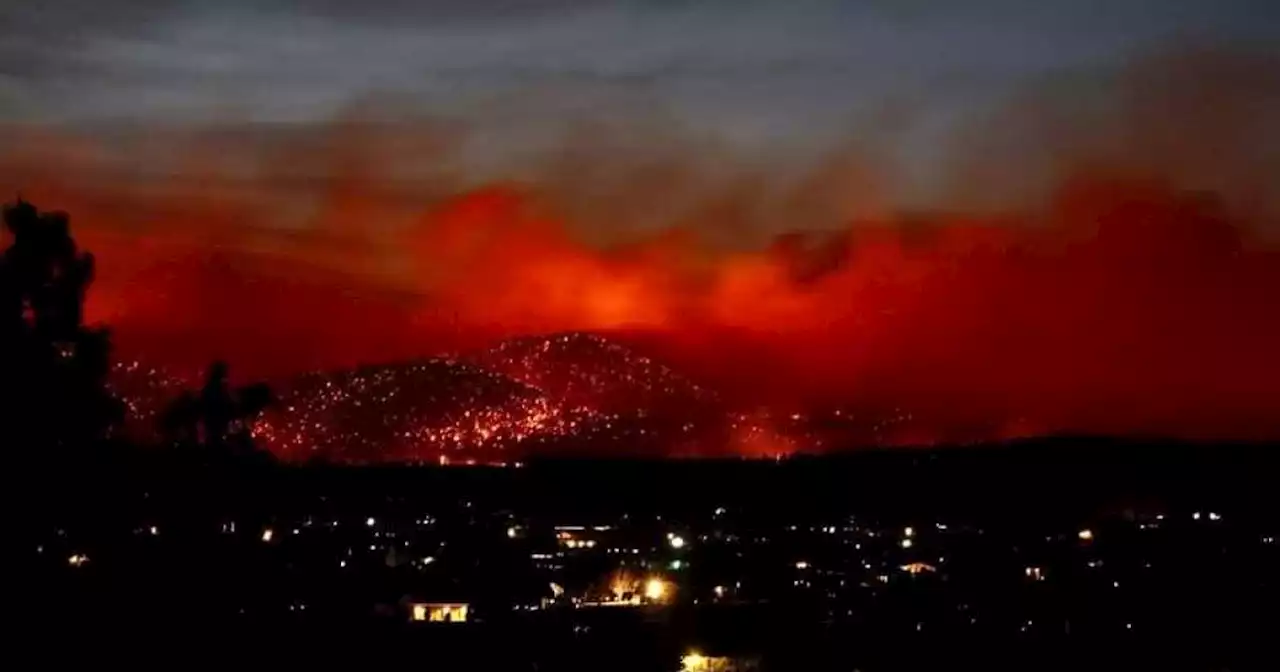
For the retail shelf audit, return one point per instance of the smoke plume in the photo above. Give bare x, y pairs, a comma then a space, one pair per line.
1097, 255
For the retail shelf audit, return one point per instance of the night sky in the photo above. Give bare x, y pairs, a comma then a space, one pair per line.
775, 72
1056, 215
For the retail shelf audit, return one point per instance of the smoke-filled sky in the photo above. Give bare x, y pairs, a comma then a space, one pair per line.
762, 70
1059, 214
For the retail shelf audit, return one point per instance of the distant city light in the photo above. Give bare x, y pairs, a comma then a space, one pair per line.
154, 530
676, 541
719, 591
513, 532
78, 560
1214, 517
267, 534
1085, 535
370, 522
802, 565
906, 543
908, 532
677, 565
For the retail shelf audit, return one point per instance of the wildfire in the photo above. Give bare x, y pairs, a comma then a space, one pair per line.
1081, 286
427, 411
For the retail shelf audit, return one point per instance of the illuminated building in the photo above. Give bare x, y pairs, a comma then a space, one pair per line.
439, 612
919, 568
573, 538
696, 662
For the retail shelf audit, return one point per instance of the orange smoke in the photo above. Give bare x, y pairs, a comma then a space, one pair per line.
1104, 294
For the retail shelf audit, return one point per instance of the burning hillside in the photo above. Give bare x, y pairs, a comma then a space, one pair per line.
145, 390
562, 393
434, 410
584, 370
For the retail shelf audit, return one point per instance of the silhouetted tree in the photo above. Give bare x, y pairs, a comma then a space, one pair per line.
52, 368
217, 417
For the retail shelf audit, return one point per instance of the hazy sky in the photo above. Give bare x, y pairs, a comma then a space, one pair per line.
759, 66
783, 74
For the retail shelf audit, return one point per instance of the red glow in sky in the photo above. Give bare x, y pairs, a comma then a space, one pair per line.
1133, 307
1121, 300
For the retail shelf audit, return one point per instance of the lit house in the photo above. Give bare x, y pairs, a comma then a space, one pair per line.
437, 605
438, 612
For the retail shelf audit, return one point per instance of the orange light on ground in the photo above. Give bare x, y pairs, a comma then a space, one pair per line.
919, 568
697, 662
657, 590
693, 662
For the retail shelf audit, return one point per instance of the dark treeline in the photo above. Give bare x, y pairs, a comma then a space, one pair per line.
54, 398
1054, 478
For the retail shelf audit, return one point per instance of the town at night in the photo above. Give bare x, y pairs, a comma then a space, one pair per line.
653, 335
881, 560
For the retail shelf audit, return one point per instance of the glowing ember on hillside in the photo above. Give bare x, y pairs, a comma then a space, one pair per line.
588, 370
429, 410
604, 398
145, 391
